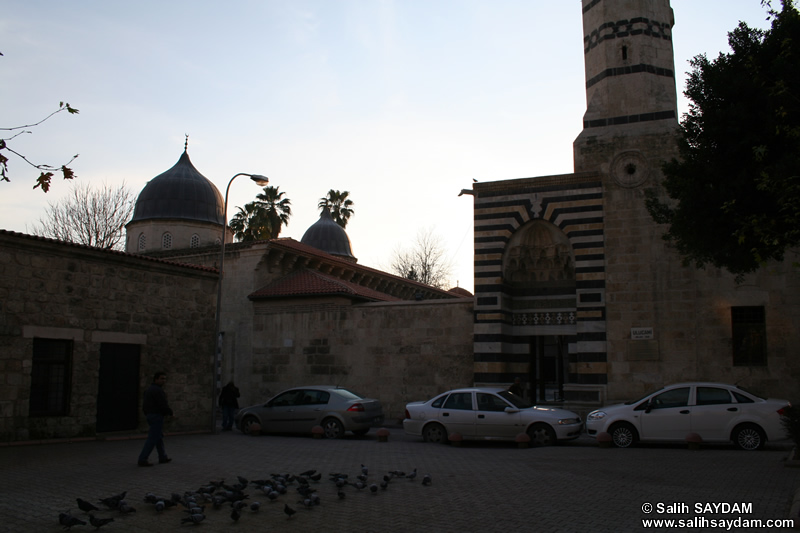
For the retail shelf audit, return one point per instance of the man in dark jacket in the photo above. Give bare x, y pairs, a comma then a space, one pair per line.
228, 400
155, 408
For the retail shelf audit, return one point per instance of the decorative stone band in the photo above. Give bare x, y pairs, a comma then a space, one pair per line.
627, 28
629, 119
633, 69
545, 318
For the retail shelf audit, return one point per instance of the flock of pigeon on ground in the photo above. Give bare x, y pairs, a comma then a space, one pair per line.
219, 495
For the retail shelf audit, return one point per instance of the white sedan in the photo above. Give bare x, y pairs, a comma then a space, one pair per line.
488, 413
715, 411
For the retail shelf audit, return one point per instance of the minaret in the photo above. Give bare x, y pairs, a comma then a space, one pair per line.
631, 100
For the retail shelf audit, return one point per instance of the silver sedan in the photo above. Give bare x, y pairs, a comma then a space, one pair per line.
489, 413
299, 409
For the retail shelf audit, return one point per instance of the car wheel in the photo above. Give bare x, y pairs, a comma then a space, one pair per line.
246, 422
333, 428
749, 437
623, 435
435, 433
542, 435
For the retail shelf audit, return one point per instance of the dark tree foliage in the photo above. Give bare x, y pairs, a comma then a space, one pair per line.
264, 218
735, 192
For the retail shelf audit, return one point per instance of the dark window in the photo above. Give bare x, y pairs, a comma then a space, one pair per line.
490, 402
460, 401
712, 396
671, 398
50, 377
749, 336
624, 53
741, 398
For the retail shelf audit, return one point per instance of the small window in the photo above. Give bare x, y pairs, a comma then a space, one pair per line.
459, 401
195, 242
741, 398
50, 377
166, 241
142, 242
671, 398
624, 53
437, 403
712, 396
749, 336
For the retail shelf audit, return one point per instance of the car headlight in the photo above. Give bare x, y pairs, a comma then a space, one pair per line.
569, 421
596, 415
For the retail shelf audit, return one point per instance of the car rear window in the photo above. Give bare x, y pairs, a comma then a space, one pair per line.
741, 398
348, 394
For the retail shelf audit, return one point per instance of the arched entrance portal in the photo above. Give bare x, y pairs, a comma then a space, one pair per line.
539, 278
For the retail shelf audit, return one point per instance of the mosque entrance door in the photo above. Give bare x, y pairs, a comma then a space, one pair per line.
118, 400
548, 368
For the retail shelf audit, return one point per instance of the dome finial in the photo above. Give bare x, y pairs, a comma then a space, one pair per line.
186, 143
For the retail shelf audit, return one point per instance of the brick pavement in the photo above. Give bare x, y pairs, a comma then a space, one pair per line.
476, 487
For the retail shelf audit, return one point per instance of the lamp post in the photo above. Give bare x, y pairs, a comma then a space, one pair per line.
216, 371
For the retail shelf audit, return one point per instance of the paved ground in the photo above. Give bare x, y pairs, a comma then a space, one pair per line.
476, 487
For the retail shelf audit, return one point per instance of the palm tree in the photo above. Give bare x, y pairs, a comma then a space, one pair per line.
250, 224
262, 219
339, 205
277, 209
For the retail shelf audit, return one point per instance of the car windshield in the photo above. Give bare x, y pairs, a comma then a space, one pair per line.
348, 394
514, 400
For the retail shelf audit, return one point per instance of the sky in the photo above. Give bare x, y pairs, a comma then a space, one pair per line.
403, 103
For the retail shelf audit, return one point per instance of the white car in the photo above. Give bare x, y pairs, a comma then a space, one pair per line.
715, 411
489, 413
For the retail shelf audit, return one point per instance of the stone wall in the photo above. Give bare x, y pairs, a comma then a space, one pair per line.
53, 290
396, 352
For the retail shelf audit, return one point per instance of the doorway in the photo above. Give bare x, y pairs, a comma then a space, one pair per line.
118, 399
548, 368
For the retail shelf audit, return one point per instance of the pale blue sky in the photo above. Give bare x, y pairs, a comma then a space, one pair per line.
403, 103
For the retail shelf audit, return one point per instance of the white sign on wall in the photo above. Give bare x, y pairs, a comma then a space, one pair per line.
641, 334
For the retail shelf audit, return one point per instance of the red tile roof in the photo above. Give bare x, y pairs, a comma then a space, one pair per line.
312, 283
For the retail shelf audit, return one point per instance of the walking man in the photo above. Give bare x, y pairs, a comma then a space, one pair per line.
155, 408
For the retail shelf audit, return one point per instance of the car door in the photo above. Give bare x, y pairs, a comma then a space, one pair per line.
667, 416
457, 414
308, 410
714, 413
279, 414
492, 420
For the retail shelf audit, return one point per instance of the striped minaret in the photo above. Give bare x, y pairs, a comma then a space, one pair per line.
631, 98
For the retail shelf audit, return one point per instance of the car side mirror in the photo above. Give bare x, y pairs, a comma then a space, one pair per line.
511, 410
649, 406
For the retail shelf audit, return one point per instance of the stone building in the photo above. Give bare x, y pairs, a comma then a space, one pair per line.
574, 288
83, 330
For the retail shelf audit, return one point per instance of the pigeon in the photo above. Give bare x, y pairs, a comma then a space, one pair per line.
315, 477
124, 508
193, 518
86, 507
160, 506
67, 520
308, 473
99, 522
373, 488
112, 502
364, 470
255, 506
235, 514
412, 475
426, 479
340, 493
242, 480
272, 495
385, 484
288, 510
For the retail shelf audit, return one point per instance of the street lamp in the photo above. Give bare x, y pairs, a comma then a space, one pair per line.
216, 371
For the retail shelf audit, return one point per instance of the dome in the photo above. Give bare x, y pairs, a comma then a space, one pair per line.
180, 193
329, 237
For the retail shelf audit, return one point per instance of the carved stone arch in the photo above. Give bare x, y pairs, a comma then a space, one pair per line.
538, 253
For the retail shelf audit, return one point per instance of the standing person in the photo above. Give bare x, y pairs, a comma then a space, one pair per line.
516, 388
155, 408
229, 403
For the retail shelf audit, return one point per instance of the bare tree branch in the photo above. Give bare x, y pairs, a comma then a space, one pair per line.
94, 217
426, 261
